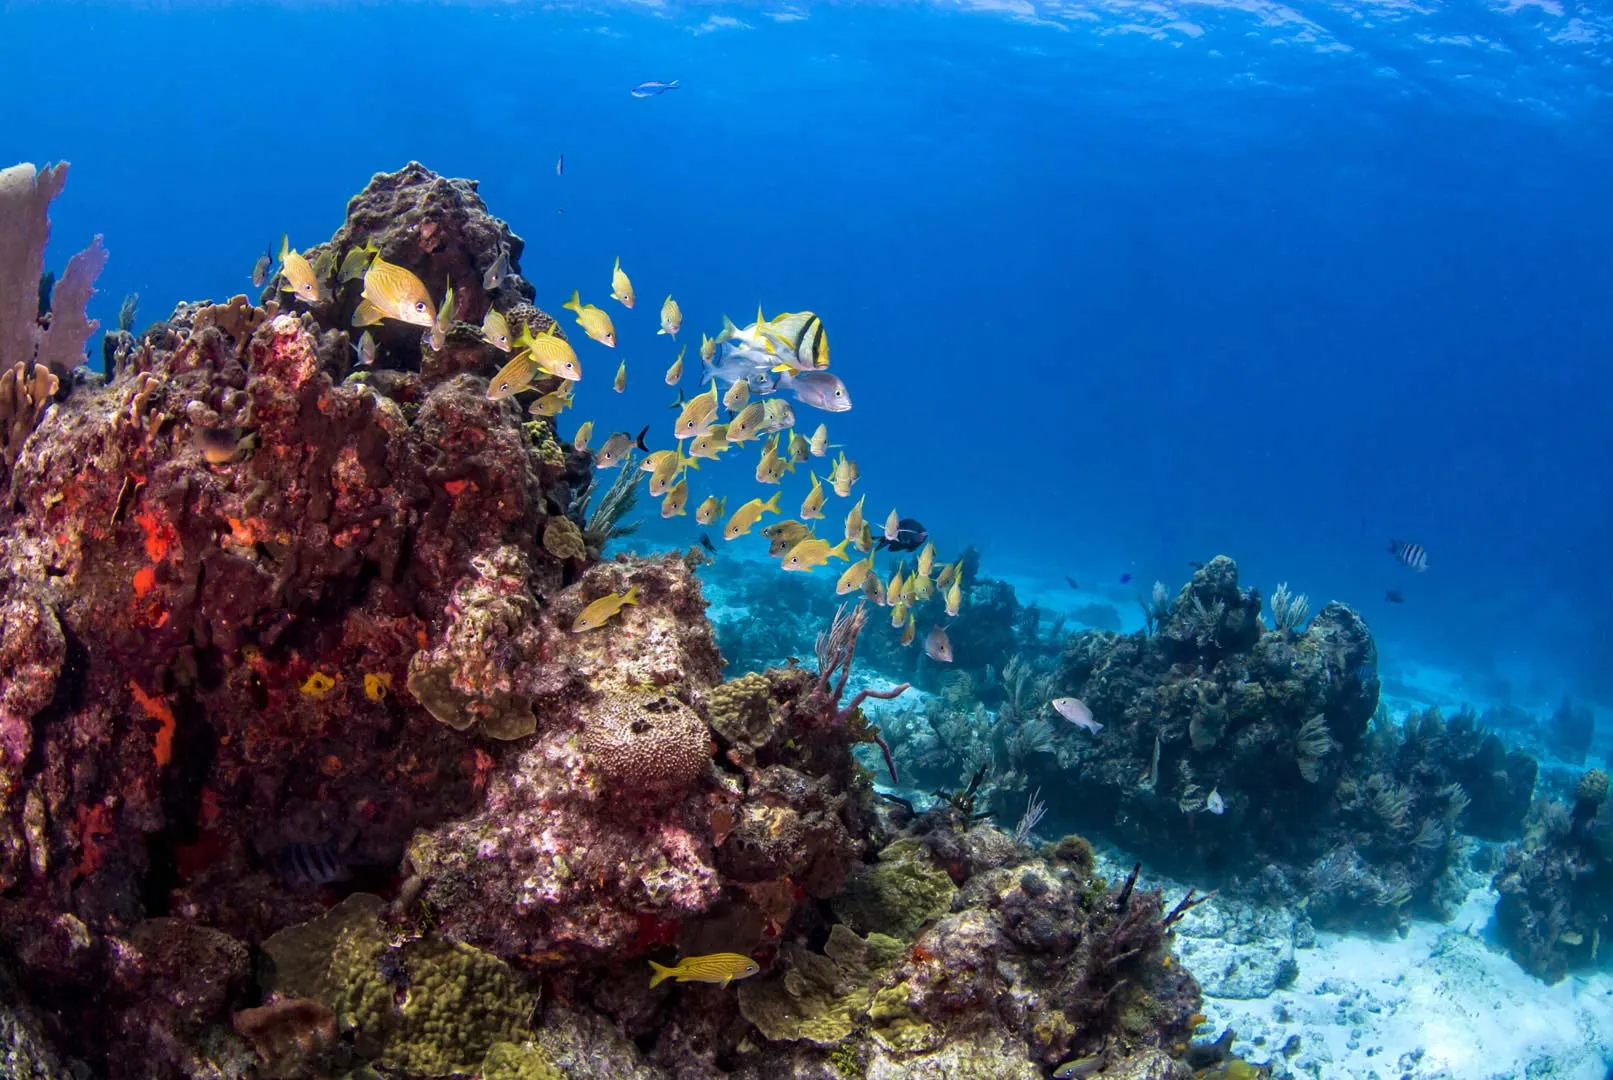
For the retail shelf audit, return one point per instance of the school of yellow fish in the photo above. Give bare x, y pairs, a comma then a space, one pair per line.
789, 352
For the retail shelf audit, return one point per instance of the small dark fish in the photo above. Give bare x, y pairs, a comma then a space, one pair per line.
1195, 564
260, 269
1125, 579
653, 88
1071, 582
560, 166
1395, 596
910, 536
305, 866
705, 542
1411, 555
678, 404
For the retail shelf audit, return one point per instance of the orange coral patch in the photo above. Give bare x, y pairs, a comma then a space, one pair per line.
454, 487
145, 579
94, 825
241, 532
157, 709
159, 535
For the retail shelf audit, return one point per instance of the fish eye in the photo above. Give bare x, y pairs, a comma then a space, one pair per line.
419, 305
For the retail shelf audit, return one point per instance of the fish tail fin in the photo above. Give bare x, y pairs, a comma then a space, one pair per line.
839, 550
661, 973
728, 330
639, 441
575, 303
631, 595
673, 85
285, 246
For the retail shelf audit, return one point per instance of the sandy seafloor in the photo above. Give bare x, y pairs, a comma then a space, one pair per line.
1441, 1001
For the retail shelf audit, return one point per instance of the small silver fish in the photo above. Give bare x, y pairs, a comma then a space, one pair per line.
653, 88
1076, 712
260, 270
499, 270
366, 349
1214, 803
938, 646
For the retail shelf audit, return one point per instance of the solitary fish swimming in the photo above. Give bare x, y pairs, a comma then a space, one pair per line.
1412, 555
1076, 712
722, 968
653, 88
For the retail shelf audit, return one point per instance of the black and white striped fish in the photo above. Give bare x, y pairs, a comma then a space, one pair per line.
306, 866
1412, 555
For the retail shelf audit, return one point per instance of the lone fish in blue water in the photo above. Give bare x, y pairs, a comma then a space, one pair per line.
653, 88
1412, 555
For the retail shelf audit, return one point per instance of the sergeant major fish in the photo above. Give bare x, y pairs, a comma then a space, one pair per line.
1411, 555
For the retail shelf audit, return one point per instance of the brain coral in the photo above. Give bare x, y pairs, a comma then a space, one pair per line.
647, 743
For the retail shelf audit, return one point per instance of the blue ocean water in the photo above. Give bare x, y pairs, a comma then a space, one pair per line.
1114, 286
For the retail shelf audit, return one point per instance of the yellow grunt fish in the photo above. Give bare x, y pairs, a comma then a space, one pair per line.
444, 321
708, 349
954, 597
671, 317
594, 322
709, 443
356, 261
798, 448
604, 609
675, 372
496, 329
737, 395
621, 378
621, 289
873, 588
843, 476
812, 505
551, 353
746, 516
819, 443
297, 274
854, 521
893, 525
710, 510
812, 553
742, 428
672, 505
927, 559
721, 968
854, 576
898, 609
553, 403
770, 470
391, 292
697, 415
580, 442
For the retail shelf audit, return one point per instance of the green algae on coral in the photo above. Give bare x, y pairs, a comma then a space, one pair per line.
509, 1061
456, 1002
898, 894
563, 539
741, 710
820, 997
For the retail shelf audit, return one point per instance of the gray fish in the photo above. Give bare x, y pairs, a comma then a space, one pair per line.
819, 389
366, 349
653, 88
260, 269
1080, 1067
499, 270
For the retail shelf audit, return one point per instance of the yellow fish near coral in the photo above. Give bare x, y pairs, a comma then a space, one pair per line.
580, 442
855, 575
812, 553
734, 400
603, 610
722, 968
812, 505
621, 289
298, 274
675, 372
711, 509
671, 317
594, 322
318, 685
391, 292
496, 329
356, 261
672, 505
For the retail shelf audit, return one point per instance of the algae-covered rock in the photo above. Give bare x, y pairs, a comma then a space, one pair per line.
508, 1061
741, 710
425, 1006
898, 894
563, 540
820, 998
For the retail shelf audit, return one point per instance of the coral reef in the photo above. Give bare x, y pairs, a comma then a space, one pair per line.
1281, 723
304, 772
1556, 885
